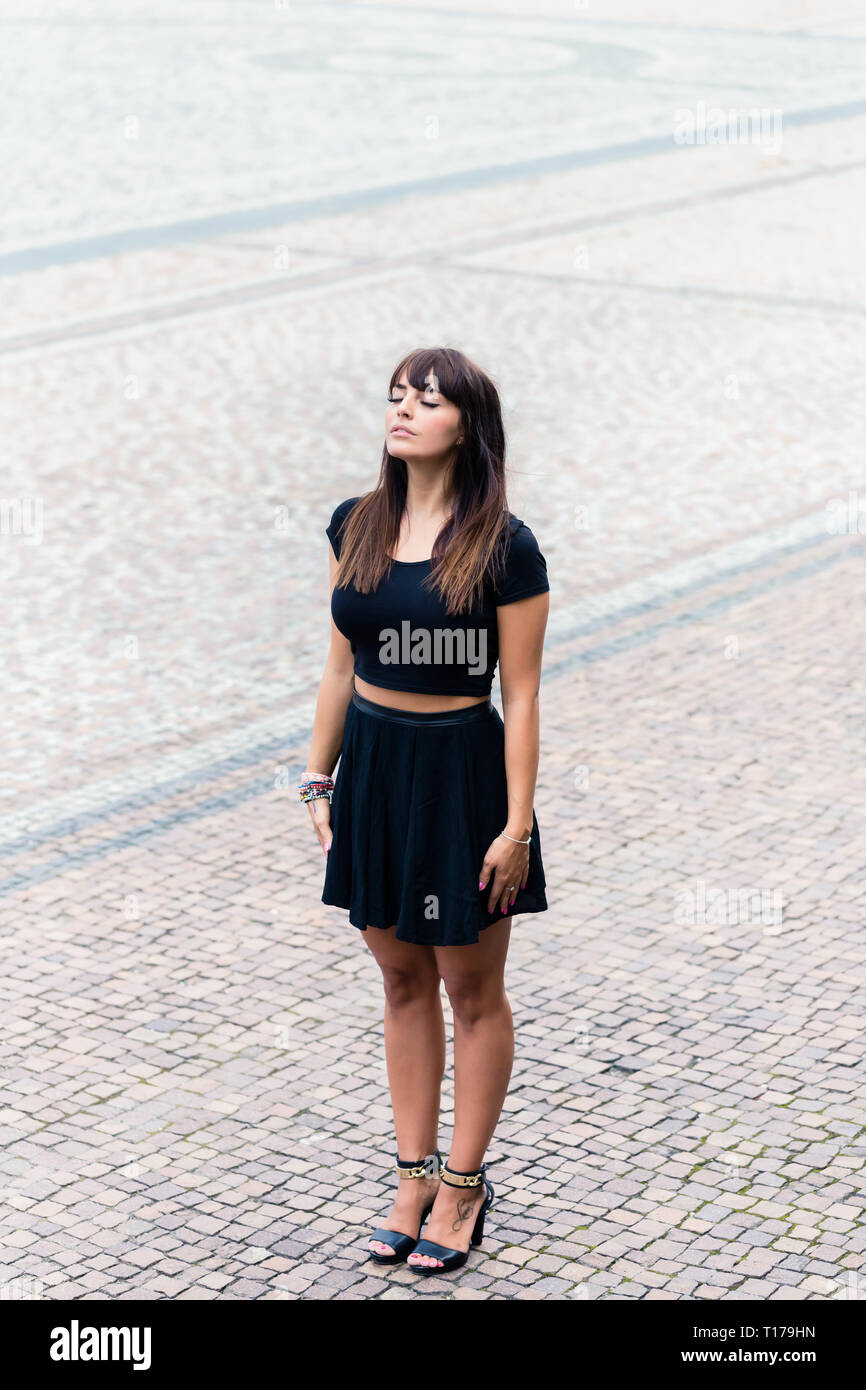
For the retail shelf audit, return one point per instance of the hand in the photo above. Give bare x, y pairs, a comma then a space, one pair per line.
320, 814
506, 863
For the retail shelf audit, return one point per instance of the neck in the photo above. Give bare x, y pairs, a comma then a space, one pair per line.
427, 491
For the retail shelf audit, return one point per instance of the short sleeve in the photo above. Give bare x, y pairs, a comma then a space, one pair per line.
340, 513
526, 568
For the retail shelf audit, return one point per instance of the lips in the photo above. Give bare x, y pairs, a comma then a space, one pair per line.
401, 429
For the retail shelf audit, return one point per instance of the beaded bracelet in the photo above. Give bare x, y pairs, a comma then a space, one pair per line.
316, 788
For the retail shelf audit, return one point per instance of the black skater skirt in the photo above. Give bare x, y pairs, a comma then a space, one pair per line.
418, 799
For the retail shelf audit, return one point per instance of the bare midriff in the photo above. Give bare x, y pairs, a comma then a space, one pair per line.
415, 700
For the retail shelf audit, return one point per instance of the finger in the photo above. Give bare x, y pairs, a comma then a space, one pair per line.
486, 871
493, 899
510, 894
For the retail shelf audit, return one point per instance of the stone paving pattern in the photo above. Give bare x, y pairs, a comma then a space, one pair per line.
195, 1102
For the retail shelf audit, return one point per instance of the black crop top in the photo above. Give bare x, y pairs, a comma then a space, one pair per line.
404, 639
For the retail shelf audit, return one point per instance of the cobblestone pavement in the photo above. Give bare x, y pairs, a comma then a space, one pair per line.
226, 249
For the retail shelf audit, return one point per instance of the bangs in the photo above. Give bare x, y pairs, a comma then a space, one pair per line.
450, 377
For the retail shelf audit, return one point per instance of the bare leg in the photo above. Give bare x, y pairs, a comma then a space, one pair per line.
415, 1058
483, 1058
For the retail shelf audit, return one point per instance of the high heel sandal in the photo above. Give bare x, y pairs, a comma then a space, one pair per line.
400, 1243
453, 1259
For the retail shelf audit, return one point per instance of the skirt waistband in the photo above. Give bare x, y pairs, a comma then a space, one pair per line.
404, 716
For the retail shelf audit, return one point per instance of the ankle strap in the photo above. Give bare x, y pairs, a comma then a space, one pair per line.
454, 1178
419, 1167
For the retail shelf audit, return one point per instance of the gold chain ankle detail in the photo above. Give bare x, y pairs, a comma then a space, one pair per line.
460, 1179
425, 1169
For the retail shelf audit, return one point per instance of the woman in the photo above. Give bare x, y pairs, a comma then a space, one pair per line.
429, 831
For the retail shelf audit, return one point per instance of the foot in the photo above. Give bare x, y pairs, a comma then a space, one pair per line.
451, 1220
413, 1196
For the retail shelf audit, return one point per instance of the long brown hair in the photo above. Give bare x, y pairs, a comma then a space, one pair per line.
474, 540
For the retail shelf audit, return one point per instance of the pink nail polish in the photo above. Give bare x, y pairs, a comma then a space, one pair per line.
481, 885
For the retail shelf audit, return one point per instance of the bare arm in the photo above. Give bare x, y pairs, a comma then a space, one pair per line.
335, 692
521, 639
521, 627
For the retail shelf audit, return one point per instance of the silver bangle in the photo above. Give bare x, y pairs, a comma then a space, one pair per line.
511, 837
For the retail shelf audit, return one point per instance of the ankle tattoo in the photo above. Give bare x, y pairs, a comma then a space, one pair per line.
465, 1207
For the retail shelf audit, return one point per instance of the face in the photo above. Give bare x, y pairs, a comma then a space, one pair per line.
421, 424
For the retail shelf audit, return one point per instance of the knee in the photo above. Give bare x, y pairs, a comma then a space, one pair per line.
473, 998
407, 986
